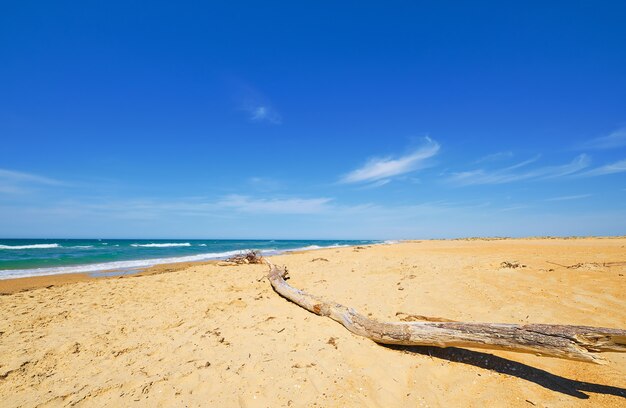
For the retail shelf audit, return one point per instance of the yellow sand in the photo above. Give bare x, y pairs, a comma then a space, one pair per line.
212, 335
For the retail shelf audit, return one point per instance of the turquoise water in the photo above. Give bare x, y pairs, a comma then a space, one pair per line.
34, 257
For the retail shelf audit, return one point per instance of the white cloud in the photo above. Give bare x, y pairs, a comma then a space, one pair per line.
376, 184
257, 106
513, 208
263, 113
231, 207
613, 140
17, 182
512, 173
494, 157
568, 198
264, 184
252, 217
274, 205
384, 168
617, 167
18, 176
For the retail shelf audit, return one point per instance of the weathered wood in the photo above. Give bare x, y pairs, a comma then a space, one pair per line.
569, 342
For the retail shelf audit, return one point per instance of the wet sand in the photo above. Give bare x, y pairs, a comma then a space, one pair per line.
211, 335
10, 286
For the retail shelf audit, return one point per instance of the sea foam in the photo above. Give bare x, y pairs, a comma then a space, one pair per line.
166, 245
117, 265
34, 246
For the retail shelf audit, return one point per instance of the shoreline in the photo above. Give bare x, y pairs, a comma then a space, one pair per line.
16, 285
20, 284
126, 267
83, 272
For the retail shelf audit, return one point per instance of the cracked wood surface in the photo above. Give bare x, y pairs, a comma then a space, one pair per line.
562, 341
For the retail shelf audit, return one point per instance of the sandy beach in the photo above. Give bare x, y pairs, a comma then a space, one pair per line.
215, 335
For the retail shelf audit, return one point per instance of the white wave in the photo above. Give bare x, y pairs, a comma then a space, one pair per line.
391, 241
143, 263
108, 266
82, 246
306, 248
202, 245
313, 247
166, 245
35, 246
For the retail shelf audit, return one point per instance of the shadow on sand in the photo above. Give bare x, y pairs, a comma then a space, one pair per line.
509, 367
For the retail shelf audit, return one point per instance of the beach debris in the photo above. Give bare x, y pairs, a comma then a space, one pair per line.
512, 265
319, 259
590, 265
333, 341
248, 257
580, 343
585, 265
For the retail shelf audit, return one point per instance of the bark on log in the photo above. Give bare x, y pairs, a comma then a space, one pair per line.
569, 342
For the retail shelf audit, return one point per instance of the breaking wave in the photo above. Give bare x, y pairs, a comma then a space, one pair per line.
34, 246
166, 245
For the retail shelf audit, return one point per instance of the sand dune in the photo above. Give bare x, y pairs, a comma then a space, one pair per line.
210, 335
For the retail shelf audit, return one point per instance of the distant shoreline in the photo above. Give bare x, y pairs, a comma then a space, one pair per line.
13, 285
19, 284
31, 258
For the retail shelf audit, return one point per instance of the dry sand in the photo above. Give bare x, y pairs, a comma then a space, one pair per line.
210, 335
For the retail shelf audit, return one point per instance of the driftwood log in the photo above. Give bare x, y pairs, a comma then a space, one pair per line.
569, 342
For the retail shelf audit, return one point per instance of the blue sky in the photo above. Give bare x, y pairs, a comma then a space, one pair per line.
312, 120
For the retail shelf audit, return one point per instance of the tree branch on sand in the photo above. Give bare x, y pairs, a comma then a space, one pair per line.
248, 257
568, 342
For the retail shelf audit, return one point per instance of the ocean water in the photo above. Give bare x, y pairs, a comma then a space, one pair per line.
35, 257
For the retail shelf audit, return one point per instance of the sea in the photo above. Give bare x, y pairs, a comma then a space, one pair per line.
21, 258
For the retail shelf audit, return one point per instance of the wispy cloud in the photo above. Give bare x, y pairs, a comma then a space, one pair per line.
274, 205
225, 207
513, 208
568, 198
494, 157
264, 113
18, 176
612, 168
258, 107
264, 184
519, 172
375, 184
379, 169
611, 141
17, 182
